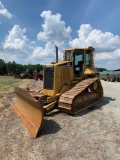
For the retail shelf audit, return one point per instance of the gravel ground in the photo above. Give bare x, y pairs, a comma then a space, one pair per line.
93, 134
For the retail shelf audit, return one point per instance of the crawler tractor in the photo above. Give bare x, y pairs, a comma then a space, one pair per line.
70, 85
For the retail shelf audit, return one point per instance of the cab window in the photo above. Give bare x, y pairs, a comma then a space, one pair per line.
88, 59
68, 55
78, 58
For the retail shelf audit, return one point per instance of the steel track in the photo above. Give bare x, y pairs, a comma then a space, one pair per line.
81, 96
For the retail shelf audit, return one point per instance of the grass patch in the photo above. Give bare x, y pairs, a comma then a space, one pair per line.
7, 82
5, 105
1, 96
11, 93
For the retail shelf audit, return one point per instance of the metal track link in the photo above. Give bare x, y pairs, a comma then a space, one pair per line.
81, 96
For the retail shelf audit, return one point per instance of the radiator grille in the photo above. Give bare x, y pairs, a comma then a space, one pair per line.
48, 77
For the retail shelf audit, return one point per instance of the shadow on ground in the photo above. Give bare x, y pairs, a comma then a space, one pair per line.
49, 127
99, 105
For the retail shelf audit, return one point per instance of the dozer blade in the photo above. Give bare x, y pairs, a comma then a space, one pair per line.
29, 110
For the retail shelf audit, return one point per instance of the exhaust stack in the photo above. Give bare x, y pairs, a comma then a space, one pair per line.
56, 54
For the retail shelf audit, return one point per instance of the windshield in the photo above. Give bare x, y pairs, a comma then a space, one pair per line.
68, 55
78, 56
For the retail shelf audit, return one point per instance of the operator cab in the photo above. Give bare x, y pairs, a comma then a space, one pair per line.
78, 57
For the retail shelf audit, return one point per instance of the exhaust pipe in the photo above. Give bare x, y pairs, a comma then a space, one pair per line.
56, 54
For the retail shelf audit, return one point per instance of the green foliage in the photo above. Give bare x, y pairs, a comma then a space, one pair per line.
6, 104
100, 69
6, 68
3, 69
37, 67
6, 82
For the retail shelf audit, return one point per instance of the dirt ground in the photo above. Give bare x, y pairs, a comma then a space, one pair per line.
93, 134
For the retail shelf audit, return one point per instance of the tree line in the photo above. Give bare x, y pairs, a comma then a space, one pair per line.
6, 68
100, 69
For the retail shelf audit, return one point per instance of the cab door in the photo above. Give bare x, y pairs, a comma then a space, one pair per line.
78, 62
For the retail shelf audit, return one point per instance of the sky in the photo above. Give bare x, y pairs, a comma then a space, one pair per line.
30, 29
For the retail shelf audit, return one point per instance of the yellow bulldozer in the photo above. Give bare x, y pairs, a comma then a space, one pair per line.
70, 86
